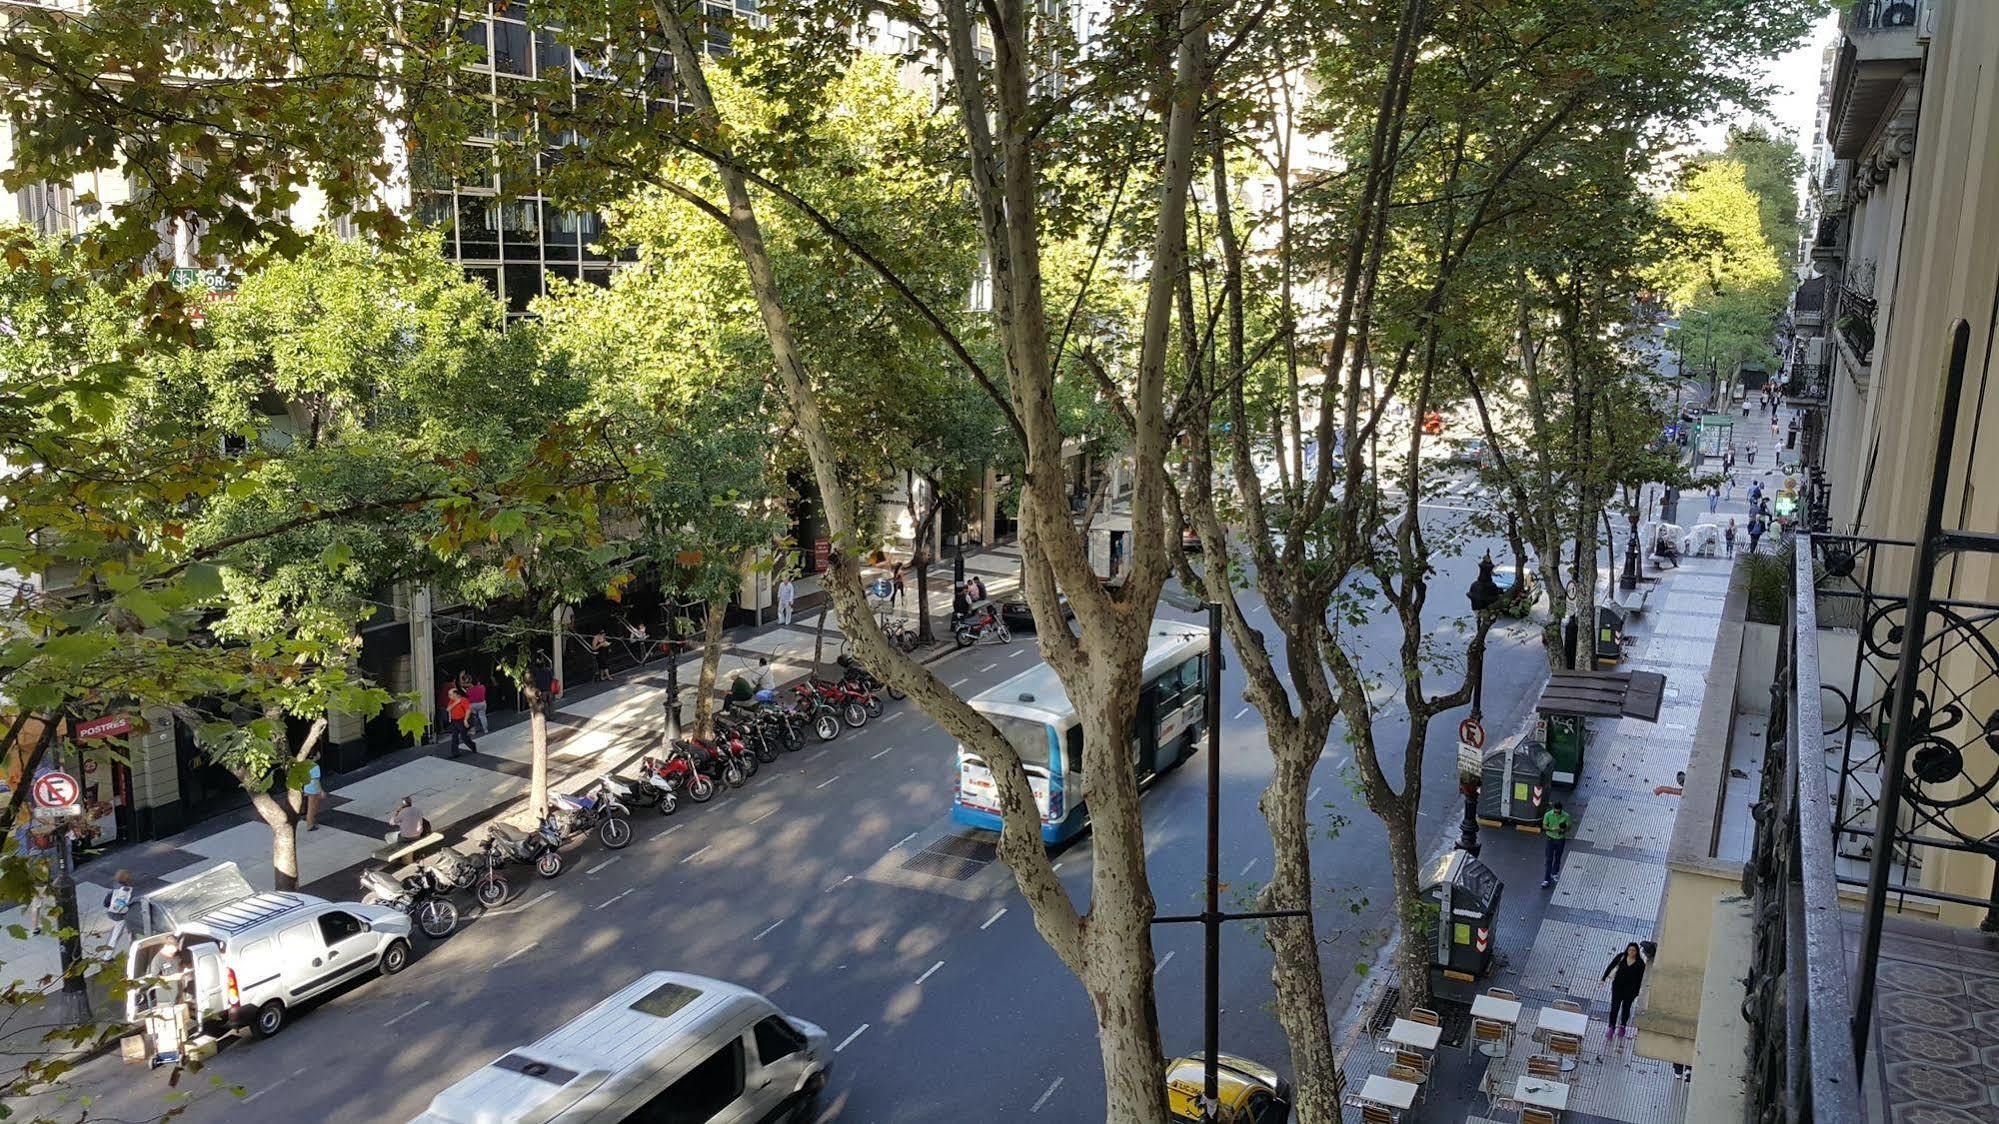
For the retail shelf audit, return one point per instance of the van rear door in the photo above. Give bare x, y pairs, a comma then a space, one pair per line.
138, 997
211, 979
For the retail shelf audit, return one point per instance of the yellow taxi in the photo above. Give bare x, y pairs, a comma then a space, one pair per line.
1250, 1093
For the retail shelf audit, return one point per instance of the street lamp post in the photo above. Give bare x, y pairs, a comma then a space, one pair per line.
1629, 580
1212, 916
1483, 595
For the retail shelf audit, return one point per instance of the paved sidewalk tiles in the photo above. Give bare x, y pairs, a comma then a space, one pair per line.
1604, 884
1628, 822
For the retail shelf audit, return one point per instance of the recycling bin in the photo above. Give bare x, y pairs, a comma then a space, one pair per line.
1514, 782
1465, 893
1567, 739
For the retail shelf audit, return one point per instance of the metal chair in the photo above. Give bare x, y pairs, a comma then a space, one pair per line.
1567, 1005
1502, 993
1567, 1047
1544, 1065
1498, 1094
1490, 1038
1410, 1059
1424, 1015
1531, 1115
1371, 1113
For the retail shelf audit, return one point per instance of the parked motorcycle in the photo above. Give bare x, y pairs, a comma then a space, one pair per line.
673, 775
751, 733
536, 848
714, 763
847, 703
457, 871
982, 625
602, 810
729, 741
817, 713
420, 894
857, 672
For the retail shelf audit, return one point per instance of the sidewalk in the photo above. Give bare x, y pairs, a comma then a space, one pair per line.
600, 728
1555, 943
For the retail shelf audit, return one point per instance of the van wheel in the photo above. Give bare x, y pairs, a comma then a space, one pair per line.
395, 958
804, 1108
270, 1019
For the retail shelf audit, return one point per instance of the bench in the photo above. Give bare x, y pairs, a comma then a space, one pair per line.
398, 852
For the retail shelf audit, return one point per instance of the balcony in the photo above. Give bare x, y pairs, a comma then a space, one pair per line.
1855, 324
1884, 1011
1828, 247
1880, 50
1808, 384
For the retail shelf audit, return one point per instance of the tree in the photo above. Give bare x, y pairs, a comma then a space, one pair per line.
1720, 260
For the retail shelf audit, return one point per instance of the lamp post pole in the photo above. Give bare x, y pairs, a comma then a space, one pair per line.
1212, 916
1483, 595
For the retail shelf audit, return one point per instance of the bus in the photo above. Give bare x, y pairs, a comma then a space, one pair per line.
1032, 711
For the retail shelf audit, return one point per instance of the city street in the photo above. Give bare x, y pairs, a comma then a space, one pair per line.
795, 885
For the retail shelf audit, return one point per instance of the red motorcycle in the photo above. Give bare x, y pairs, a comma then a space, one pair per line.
824, 708
673, 775
849, 700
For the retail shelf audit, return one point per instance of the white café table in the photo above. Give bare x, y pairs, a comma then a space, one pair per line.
1497, 1010
1415, 1035
1558, 1021
1389, 1092
1541, 1092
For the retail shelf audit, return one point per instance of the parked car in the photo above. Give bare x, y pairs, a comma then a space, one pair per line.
667, 1046
1471, 451
1018, 617
1249, 1093
250, 961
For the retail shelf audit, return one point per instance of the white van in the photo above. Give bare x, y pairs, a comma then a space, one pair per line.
250, 959
669, 1046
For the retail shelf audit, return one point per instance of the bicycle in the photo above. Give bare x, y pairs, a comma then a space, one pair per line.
898, 633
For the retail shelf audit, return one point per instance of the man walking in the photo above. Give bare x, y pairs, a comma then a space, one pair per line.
1728, 536
787, 596
1555, 824
1755, 531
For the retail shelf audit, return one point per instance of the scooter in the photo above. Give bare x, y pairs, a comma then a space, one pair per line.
601, 810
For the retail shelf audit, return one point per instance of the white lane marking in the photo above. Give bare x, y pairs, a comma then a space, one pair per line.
521, 951
1016, 653
406, 1014
1247, 867
614, 900
767, 929
1239, 714
524, 906
695, 855
893, 715
903, 840
993, 918
671, 830
840, 883
931, 971
1057, 866
961, 682
605, 863
765, 816
827, 781
989, 667
849, 1040
1163, 962
817, 756
883, 753
1049, 1092
1314, 794
278, 1082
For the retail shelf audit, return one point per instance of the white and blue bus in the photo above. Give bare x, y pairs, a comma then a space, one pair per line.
1033, 711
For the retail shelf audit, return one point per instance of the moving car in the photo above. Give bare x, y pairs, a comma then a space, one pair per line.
250, 960
1249, 1093
1516, 602
666, 1047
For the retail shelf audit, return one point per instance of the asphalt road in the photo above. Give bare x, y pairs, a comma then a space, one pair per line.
944, 1005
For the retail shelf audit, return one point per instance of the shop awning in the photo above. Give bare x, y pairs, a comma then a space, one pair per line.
1604, 694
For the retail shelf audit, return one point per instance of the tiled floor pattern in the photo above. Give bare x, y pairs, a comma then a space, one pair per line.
1628, 822
1937, 1022
1609, 885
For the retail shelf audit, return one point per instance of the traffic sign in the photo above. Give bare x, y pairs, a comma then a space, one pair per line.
56, 790
1472, 732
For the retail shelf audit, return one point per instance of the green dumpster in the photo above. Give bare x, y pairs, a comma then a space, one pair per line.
1571, 698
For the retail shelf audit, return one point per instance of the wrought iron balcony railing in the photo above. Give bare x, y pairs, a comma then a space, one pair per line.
1807, 383
1855, 322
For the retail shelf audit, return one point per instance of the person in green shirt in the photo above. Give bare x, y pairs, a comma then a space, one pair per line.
1555, 824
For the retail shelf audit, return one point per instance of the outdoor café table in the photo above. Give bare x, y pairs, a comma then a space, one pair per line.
1415, 1035
1389, 1093
1542, 1092
1563, 1022
1497, 1010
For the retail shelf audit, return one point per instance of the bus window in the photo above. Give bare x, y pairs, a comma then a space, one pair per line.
1073, 749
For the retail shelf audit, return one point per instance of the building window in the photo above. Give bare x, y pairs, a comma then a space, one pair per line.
510, 48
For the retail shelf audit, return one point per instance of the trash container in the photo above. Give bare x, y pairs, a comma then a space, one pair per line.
1465, 893
1514, 783
1609, 632
1567, 739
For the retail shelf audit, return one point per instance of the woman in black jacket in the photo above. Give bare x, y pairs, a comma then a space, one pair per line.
1626, 972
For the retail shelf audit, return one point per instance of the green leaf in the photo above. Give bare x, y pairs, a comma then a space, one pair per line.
336, 555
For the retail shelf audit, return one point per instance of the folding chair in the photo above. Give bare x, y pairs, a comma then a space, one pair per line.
1424, 1015
1498, 1094
1567, 1047
1544, 1065
1531, 1115
1410, 1059
1502, 993
1490, 1038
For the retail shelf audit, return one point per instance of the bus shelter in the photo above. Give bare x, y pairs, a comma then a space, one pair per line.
1571, 698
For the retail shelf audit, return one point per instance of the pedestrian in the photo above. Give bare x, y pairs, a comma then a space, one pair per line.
1752, 452
1629, 969
787, 599
1555, 824
457, 710
118, 904
542, 674
42, 905
896, 585
1713, 500
961, 601
476, 695
1755, 531
1728, 536
313, 795
600, 655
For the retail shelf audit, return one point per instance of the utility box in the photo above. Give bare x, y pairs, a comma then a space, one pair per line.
1514, 782
1466, 894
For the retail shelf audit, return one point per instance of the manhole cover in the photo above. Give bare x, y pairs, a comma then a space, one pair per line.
942, 866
